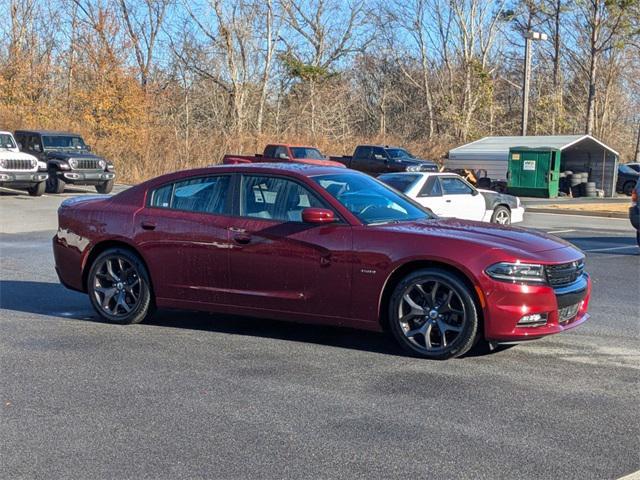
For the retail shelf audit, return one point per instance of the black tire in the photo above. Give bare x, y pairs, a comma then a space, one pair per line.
501, 215
638, 237
141, 308
38, 189
628, 187
54, 184
467, 323
105, 187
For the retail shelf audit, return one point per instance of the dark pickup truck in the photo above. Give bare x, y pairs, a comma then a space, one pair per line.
378, 159
280, 152
68, 160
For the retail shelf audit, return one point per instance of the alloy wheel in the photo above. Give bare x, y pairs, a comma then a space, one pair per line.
431, 315
117, 286
502, 217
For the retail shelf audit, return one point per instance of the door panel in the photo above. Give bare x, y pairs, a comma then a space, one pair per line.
185, 239
280, 263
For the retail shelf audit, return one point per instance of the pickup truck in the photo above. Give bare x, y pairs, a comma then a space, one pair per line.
20, 170
284, 153
378, 159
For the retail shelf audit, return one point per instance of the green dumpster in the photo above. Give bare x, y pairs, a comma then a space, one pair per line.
534, 172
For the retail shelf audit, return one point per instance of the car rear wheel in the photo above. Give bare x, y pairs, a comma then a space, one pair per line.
37, 189
501, 215
105, 187
54, 184
432, 314
119, 288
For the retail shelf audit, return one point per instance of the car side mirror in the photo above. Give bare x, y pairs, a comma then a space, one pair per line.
283, 156
474, 192
318, 215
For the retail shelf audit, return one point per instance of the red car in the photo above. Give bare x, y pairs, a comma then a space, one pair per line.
320, 245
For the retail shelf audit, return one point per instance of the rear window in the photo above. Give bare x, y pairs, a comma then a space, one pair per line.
402, 183
306, 152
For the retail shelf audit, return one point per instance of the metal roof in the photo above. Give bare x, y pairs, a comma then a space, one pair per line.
500, 146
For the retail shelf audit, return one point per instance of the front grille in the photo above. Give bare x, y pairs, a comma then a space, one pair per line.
17, 164
86, 164
564, 273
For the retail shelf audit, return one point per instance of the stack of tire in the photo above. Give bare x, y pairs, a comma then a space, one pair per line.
580, 185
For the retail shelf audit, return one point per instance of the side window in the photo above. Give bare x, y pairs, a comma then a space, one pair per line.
455, 186
378, 154
270, 151
431, 188
275, 198
280, 150
203, 194
362, 153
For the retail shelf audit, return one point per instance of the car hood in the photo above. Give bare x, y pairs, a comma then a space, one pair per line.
66, 154
13, 155
492, 198
517, 240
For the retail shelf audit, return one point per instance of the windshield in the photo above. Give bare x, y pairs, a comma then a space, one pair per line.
306, 152
399, 181
369, 200
399, 153
6, 141
64, 141
627, 169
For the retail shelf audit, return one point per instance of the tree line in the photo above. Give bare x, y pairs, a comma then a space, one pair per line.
158, 85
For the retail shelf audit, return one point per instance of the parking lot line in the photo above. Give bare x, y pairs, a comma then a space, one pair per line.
610, 248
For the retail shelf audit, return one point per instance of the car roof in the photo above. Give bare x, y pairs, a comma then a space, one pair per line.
424, 174
52, 133
266, 168
380, 146
6, 132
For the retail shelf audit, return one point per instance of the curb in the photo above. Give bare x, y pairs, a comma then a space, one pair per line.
559, 211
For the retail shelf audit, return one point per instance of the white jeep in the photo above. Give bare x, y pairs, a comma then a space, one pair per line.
20, 170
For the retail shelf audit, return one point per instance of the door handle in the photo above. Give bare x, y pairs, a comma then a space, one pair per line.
448, 201
146, 225
242, 239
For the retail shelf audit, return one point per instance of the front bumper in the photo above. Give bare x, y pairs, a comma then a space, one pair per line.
21, 179
507, 303
79, 177
517, 215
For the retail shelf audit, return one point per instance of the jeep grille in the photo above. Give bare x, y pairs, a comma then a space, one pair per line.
86, 164
17, 164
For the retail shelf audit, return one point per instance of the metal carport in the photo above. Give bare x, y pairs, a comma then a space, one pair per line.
579, 153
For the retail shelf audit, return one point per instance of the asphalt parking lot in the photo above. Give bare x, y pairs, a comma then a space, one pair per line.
193, 395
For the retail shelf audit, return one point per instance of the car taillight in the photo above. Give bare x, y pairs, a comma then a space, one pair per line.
634, 196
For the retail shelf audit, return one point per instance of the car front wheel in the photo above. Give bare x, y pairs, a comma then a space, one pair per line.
119, 288
432, 314
628, 188
105, 187
54, 184
501, 215
37, 190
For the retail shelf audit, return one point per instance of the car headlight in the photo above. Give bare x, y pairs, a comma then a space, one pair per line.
111, 167
34, 163
412, 168
73, 163
517, 272
3, 163
102, 164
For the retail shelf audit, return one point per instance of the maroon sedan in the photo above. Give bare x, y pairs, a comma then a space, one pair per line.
320, 245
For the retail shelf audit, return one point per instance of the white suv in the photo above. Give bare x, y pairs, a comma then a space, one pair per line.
20, 170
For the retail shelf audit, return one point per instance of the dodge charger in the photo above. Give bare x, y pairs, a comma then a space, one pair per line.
319, 245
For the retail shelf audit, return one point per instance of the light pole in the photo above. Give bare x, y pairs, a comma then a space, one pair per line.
528, 37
